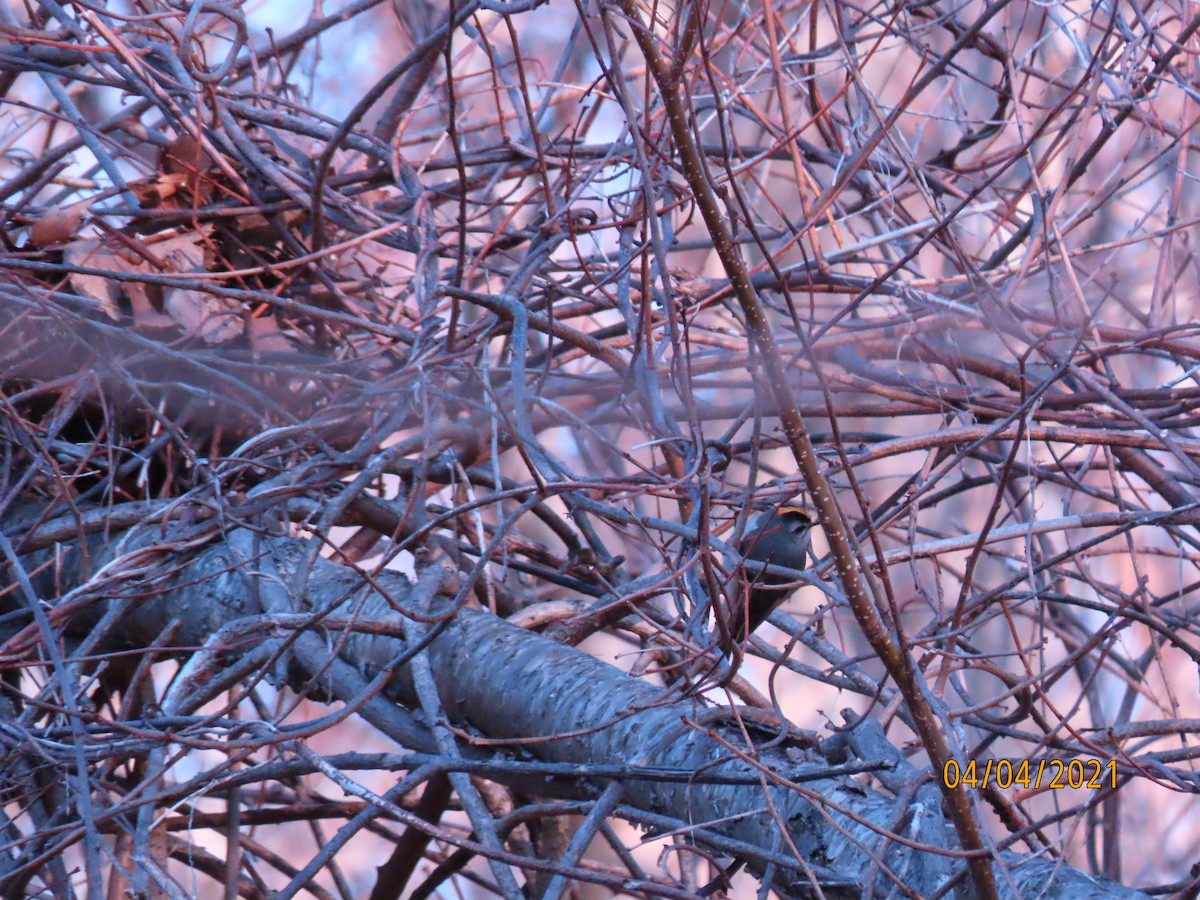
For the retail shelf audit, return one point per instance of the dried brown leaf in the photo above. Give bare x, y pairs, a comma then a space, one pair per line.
59, 224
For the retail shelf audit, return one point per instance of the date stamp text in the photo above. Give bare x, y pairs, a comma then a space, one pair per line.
1030, 775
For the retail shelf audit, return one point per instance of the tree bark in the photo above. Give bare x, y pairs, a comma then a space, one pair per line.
254, 596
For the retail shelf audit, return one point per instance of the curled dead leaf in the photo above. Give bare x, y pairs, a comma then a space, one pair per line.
155, 192
58, 225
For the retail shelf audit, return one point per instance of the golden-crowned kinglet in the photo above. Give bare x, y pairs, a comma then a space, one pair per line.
778, 538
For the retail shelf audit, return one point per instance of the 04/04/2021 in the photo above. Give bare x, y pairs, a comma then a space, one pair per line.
1045, 774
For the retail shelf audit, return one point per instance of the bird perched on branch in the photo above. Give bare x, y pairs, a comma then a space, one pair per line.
777, 538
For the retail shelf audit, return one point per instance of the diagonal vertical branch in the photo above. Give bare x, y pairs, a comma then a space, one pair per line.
897, 661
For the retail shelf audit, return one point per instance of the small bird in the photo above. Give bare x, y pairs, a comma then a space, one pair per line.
778, 538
